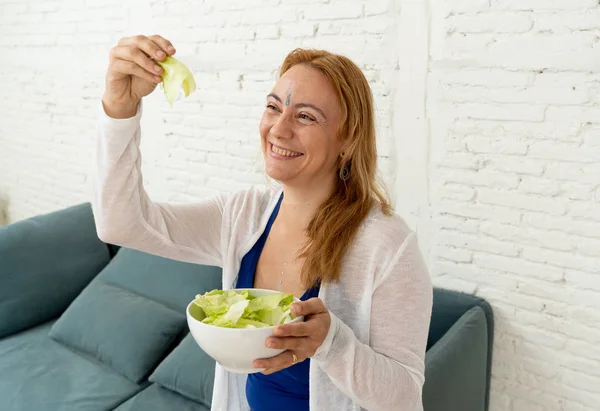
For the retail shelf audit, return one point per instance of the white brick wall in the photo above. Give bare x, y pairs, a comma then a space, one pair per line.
489, 137
58, 54
515, 169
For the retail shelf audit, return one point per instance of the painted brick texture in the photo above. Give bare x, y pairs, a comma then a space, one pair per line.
508, 144
513, 103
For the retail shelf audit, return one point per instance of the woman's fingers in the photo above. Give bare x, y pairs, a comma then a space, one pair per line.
135, 55
164, 44
301, 339
143, 52
277, 363
133, 72
289, 343
128, 67
148, 46
294, 330
308, 307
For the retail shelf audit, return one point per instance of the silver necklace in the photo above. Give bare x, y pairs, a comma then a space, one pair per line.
282, 273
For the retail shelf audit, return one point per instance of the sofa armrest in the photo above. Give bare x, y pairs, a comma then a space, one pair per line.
456, 367
45, 262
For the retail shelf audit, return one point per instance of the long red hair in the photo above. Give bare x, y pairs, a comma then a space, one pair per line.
335, 224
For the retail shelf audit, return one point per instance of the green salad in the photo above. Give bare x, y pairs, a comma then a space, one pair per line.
240, 309
175, 76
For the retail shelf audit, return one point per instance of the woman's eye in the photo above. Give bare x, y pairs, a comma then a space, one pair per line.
271, 107
306, 117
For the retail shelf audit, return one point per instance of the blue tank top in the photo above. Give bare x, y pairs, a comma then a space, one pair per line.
286, 389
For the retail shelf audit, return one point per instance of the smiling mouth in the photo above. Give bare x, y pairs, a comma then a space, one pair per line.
284, 153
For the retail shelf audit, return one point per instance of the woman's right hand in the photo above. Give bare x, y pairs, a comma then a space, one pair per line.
133, 73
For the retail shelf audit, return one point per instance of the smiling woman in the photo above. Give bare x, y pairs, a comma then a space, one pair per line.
326, 233
300, 130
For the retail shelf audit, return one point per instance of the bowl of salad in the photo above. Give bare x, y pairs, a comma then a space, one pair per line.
232, 326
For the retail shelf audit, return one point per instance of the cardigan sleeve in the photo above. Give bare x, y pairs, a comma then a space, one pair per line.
387, 374
126, 216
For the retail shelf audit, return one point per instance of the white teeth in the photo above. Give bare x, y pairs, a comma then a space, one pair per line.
284, 152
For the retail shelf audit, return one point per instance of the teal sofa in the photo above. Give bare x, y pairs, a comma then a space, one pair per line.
89, 326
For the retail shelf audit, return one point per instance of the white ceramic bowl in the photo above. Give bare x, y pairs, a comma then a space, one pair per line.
234, 348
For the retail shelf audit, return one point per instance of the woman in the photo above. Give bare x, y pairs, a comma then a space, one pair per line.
326, 234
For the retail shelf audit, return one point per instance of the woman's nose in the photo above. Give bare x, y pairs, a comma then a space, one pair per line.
282, 127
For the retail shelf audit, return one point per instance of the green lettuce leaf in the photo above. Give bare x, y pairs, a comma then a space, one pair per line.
271, 302
175, 75
231, 317
240, 309
245, 323
274, 316
218, 302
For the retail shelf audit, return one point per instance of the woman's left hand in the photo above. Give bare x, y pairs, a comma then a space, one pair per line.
300, 340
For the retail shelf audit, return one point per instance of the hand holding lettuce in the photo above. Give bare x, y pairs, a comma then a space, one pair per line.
240, 309
137, 65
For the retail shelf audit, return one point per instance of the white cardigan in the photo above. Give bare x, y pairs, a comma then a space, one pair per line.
373, 355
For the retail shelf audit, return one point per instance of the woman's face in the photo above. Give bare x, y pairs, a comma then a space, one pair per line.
299, 129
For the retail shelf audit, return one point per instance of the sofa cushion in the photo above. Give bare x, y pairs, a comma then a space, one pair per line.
37, 373
448, 307
139, 299
456, 370
170, 282
121, 329
188, 371
157, 398
46, 261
